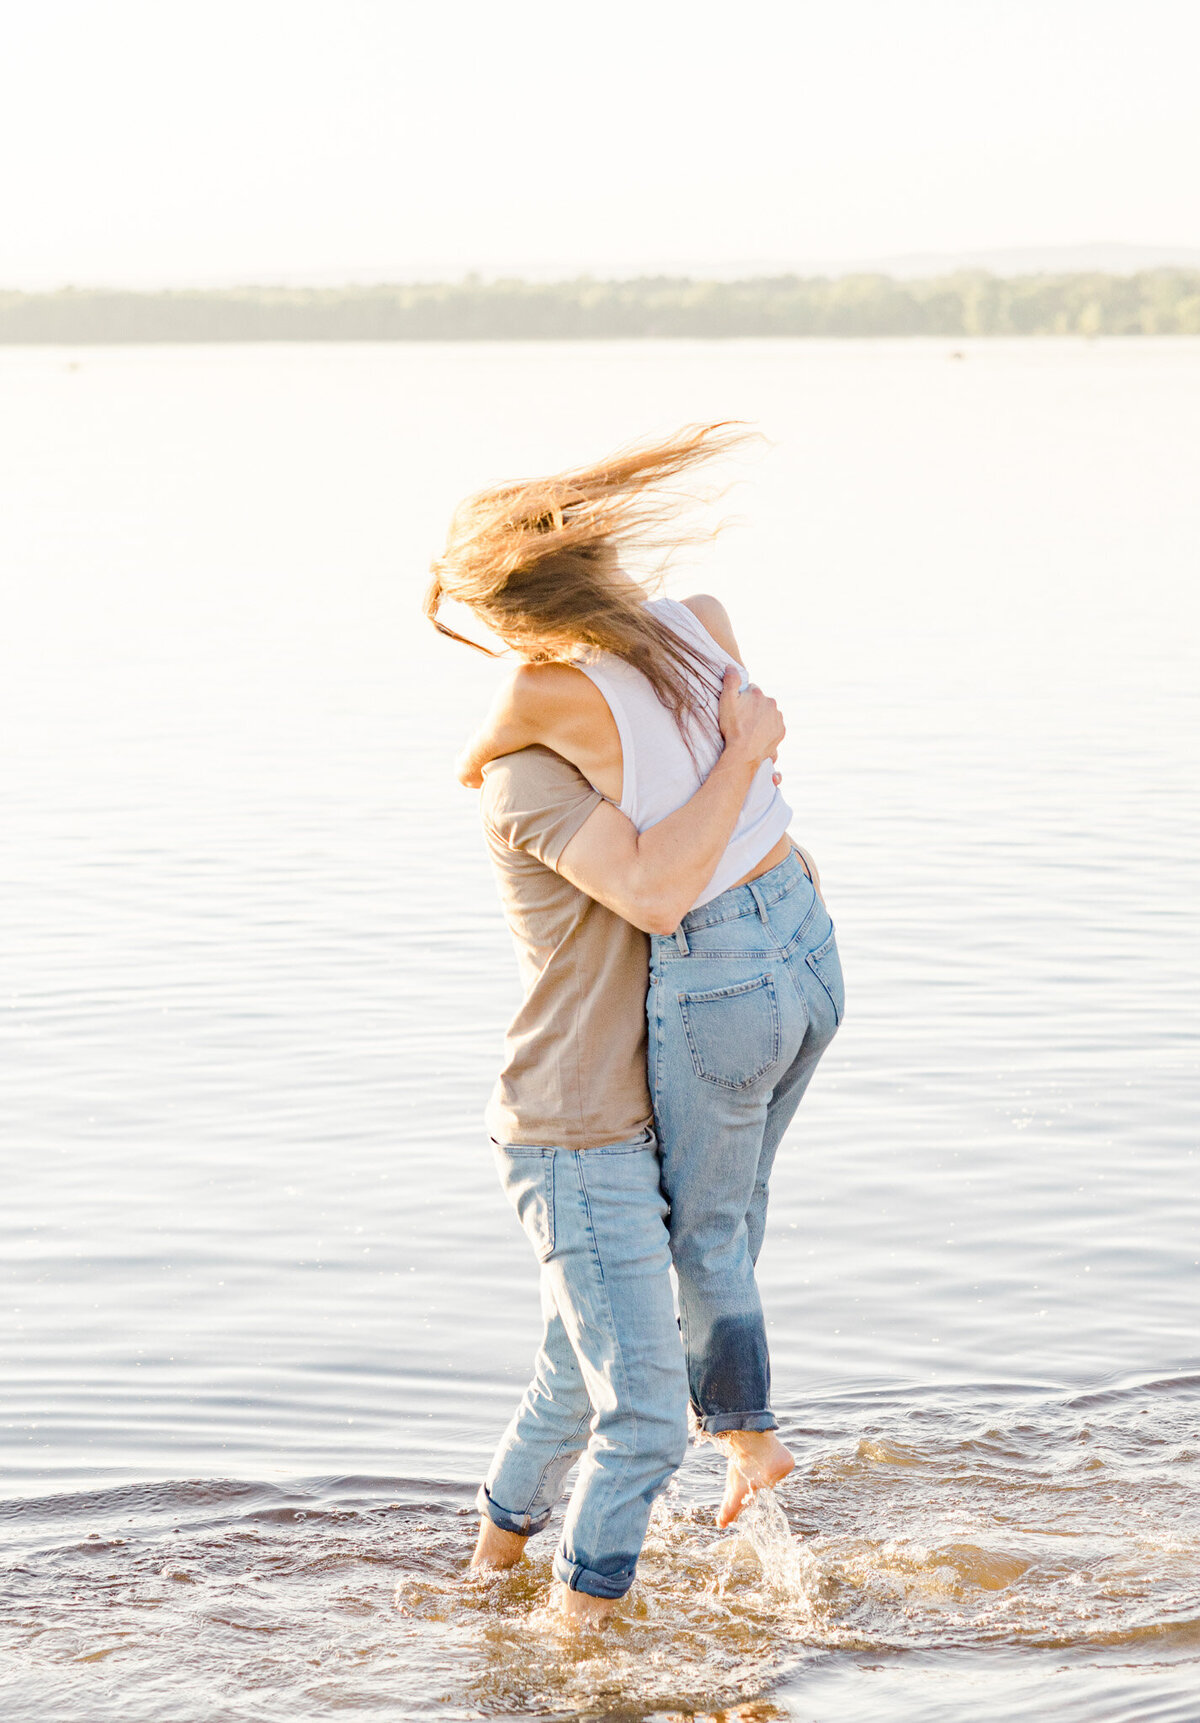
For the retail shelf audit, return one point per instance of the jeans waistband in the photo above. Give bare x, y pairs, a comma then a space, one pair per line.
740, 900
625, 1146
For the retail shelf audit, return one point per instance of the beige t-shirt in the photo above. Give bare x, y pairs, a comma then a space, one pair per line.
574, 1072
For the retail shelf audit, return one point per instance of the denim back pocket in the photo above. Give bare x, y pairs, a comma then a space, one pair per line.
527, 1176
732, 1032
826, 965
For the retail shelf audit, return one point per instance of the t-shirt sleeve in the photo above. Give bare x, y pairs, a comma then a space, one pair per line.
535, 801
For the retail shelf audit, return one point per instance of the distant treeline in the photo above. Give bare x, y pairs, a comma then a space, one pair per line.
1156, 302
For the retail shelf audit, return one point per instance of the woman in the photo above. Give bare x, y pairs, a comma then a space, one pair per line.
746, 990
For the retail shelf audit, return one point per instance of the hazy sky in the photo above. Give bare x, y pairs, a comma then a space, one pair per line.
159, 141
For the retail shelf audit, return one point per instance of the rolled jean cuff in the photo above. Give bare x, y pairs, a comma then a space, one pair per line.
717, 1423
576, 1577
523, 1525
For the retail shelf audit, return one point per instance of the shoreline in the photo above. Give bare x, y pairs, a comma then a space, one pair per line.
963, 306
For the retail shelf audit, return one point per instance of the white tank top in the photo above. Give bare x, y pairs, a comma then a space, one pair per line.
658, 772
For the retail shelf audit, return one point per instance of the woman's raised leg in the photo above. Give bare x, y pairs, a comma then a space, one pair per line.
737, 1022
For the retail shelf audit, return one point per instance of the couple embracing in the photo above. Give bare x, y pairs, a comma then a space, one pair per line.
681, 981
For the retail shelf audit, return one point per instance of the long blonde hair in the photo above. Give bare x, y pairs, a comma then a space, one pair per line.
537, 562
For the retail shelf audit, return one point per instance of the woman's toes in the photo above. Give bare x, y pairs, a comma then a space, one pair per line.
737, 1494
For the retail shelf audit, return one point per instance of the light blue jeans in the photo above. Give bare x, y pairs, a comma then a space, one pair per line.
744, 999
609, 1381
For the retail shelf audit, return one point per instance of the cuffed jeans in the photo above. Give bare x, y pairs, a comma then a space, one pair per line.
609, 1381
744, 999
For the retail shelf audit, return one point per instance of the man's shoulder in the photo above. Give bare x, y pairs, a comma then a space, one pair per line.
523, 780
535, 800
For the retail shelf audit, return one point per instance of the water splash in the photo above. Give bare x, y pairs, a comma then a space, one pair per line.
787, 1567
958, 1526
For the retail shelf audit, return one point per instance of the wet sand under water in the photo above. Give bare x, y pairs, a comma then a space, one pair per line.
265, 1312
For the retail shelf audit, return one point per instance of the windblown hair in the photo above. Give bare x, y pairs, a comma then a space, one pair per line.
538, 562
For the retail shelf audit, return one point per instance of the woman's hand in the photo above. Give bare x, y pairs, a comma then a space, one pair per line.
750, 721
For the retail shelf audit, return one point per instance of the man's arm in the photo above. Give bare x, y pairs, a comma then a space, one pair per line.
811, 865
652, 878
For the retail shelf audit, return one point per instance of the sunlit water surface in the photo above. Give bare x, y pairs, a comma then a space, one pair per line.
265, 1310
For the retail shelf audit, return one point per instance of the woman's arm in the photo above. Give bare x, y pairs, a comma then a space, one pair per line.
523, 712
555, 705
652, 878
712, 615
505, 730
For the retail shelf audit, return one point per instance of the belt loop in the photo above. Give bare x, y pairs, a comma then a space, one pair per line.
681, 940
760, 902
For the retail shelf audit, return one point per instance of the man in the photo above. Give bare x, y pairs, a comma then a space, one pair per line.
572, 1126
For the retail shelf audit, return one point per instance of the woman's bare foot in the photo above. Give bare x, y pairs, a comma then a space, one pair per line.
757, 1461
580, 1608
497, 1548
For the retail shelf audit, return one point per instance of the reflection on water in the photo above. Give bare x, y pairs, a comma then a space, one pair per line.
265, 1311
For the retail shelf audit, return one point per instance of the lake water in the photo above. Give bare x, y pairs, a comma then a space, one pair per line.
265, 1310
